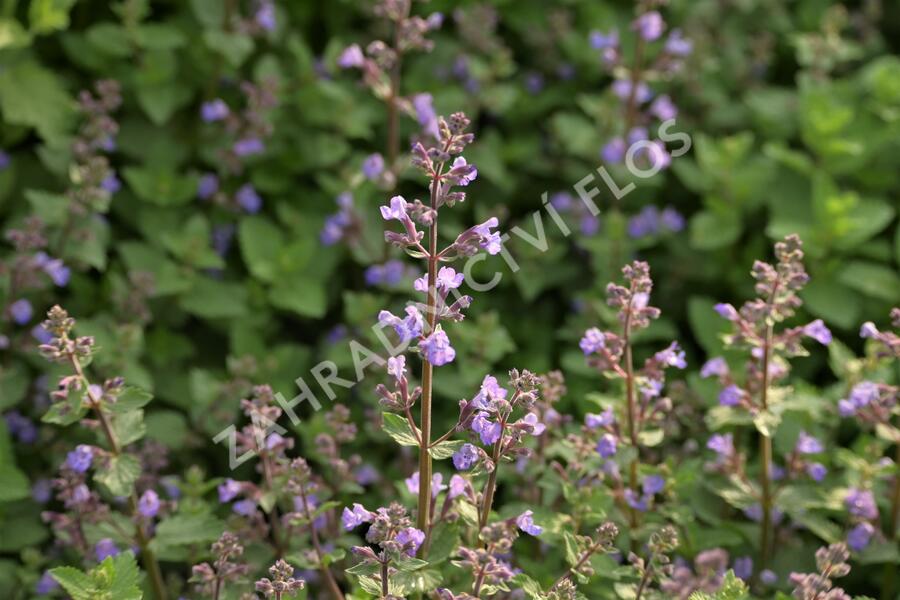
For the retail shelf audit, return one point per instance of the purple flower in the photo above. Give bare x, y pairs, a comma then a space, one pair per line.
862, 394
807, 444
731, 396
859, 536
592, 341
425, 114
657, 155
818, 331
636, 502
435, 20
489, 240
604, 419
437, 348
21, 311
653, 484
622, 89
244, 508
410, 539
589, 224
868, 330
534, 82
614, 150
602, 41
214, 110
462, 172
56, 270
464, 458
366, 475
396, 209
111, 183
663, 108
396, 366
673, 356
721, 444
373, 166
743, 567
714, 366
248, 199
207, 185
353, 518
265, 15
81, 494
408, 328
21, 427
727, 311
148, 505
351, 57
458, 485
222, 236
816, 471
80, 459
537, 428
646, 222
490, 390
649, 25
105, 548
861, 503
489, 431
248, 147
754, 512
389, 274
42, 490
228, 490
525, 522
606, 447
677, 45
4, 160
45, 584
768, 577
448, 279
671, 219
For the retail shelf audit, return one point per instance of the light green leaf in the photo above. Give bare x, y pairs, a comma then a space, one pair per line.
119, 475
398, 428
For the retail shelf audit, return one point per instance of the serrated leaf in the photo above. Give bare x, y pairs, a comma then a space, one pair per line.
398, 428
185, 529
445, 449
119, 475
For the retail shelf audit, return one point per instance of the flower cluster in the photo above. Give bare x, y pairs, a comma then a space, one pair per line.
831, 563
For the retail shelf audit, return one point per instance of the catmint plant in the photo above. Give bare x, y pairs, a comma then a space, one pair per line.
637, 422
753, 389
381, 64
116, 414
422, 323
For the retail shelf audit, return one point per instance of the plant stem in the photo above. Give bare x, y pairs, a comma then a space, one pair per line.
385, 584
276, 525
148, 557
632, 416
330, 582
488, 500
765, 443
423, 517
890, 571
645, 579
584, 558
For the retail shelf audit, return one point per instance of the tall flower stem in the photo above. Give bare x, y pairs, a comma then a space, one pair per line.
581, 561
147, 554
890, 571
488, 499
385, 583
330, 583
631, 409
423, 517
393, 143
765, 451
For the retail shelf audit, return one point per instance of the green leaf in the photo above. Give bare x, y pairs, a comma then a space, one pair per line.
79, 585
651, 437
445, 449
261, 244
306, 298
398, 428
33, 96
119, 475
128, 426
161, 101
213, 299
872, 279
13, 35
47, 16
183, 530
160, 185
130, 399
65, 412
766, 423
14, 484
711, 230
116, 578
235, 47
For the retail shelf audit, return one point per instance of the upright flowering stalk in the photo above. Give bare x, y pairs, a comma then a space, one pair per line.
426, 331
113, 466
381, 65
645, 406
754, 329
210, 579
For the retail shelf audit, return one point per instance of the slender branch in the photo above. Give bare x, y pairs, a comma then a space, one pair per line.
645, 579
574, 569
385, 583
632, 417
766, 455
890, 571
488, 500
330, 582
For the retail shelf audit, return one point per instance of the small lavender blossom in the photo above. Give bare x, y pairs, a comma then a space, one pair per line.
818, 331
861, 503
388, 274
80, 459
525, 522
351, 57
639, 503
437, 348
4, 160
228, 490
457, 487
148, 505
653, 484
207, 186
396, 366
265, 16
731, 396
248, 147
245, 508
353, 518
105, 548
408, 328
111, 183
614, 150
673, 356
727, 311
622, 89
373, 166
214, 110
42, 491
489, 431
465, 457
807, 444
602, 41
816, 471
593, 340
426, 115
663, 108
862, 394
248, 199
768, 577
868, 330
606, 447
714, 366
46, 584
677, 45
650, 25
604, 419
721, 444
410, 539
21, 311
743, 567
860, 536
